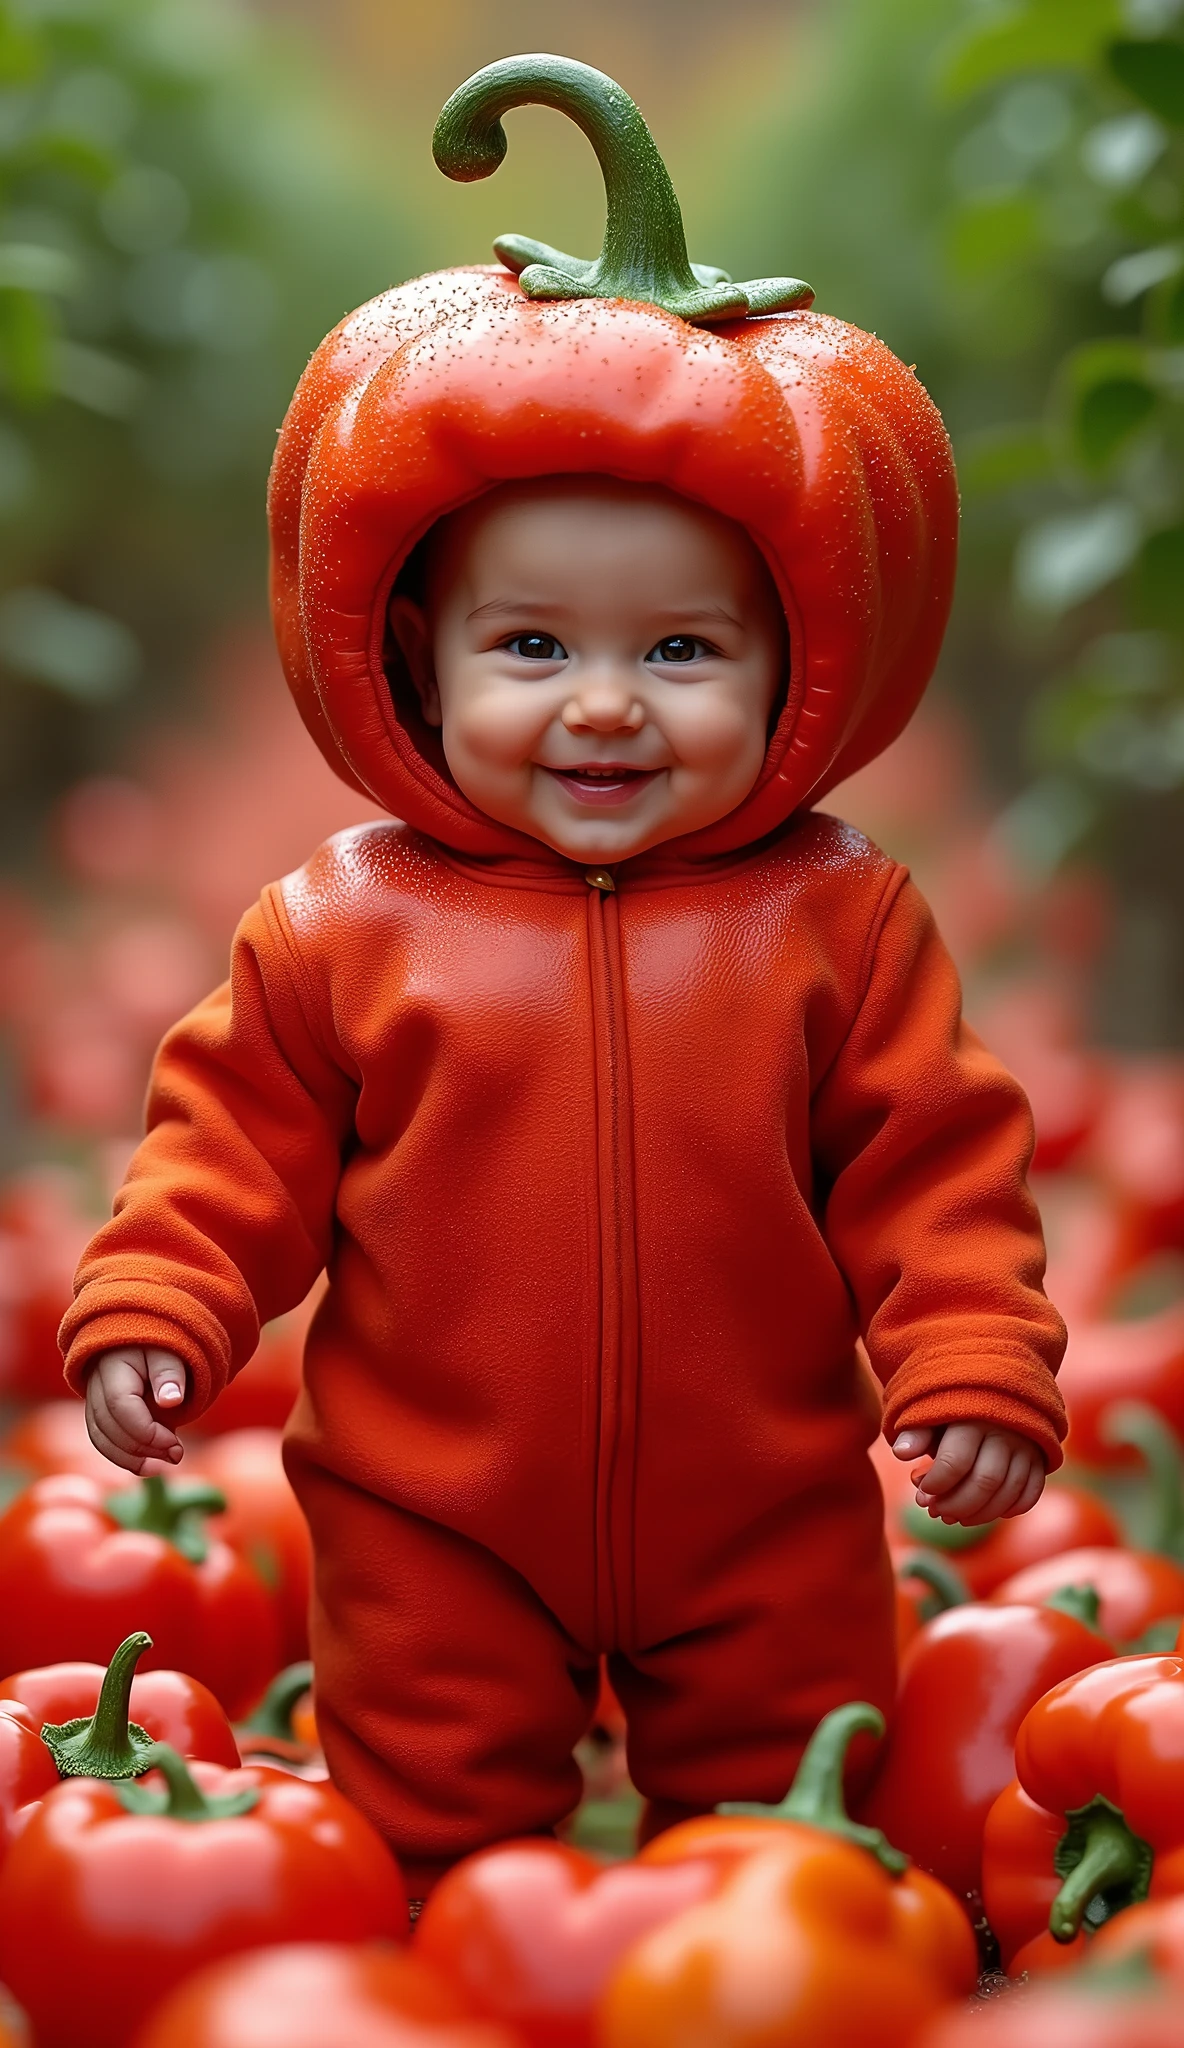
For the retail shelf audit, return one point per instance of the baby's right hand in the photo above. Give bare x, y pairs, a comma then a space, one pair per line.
122, 1391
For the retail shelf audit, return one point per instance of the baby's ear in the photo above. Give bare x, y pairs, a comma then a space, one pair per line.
409, 627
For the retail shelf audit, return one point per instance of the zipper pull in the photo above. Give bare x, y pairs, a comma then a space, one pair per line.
599, 878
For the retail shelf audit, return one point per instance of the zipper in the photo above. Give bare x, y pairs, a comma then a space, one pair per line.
617, 1391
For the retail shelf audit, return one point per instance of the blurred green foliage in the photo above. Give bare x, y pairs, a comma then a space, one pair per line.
997, 187
183, 214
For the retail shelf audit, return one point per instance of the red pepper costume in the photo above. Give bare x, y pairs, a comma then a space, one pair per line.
608, 1181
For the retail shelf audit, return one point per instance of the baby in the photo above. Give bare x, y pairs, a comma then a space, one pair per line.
611, 1156
618, 1090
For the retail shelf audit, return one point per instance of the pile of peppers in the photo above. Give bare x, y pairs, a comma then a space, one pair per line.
177, 1871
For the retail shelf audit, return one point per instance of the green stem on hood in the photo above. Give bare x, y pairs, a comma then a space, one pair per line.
105, 1744
644, 254
171, 1508
1143, 1428
1105, 1866
815, 1798
1084, 1603
182, 1797
273, 1716
947, 1587
922, 1527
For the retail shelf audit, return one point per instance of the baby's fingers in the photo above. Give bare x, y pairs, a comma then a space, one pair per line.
969, 1501
955, 1457
119, 1421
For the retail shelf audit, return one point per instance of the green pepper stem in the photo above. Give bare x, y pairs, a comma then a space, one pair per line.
645, 246
815, 1798
170, 1508
105, 1744
644, 254
182, 1798
946, 1585
1084, 1603
922, 1527
1143, 1428
273, 1716
1099, 1854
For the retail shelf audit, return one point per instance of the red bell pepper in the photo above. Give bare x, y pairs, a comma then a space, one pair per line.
170, 1706
81, 1567
53, 1438
112, 1894
1113, 1361
530, 1931
1154, 1930
72, 1720
1084, 2012
965, 1685
929, 1926
800, 1945
1095, 1819
1064, 1518
1135, 1587
317, 1995
264, 1523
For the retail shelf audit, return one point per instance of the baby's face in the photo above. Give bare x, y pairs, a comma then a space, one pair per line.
602, 660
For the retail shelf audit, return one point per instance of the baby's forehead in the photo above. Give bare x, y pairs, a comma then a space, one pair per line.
572, 520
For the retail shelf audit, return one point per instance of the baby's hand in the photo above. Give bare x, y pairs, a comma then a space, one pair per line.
122, 1391
977, 1475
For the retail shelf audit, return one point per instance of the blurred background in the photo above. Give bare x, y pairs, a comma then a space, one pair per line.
194, 191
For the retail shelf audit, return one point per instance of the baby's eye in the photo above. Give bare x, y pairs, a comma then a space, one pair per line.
676, 647
537, 647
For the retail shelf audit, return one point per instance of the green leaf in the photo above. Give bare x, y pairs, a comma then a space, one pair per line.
1003, 459
26, 345
1154, 73
1105, 395
993, 234
83, 653
1108, 414
31, 267
1040, 36
1157, 586
1165, 312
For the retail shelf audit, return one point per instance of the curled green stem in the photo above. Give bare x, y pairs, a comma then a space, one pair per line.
947, 1587
816, 1796
1142, 1428
1105, 1866
182, 1797
105, 1744
272, 1718
922, 1527
644, 254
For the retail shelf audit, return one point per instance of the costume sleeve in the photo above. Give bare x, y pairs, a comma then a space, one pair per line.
923, 1142
225, 1218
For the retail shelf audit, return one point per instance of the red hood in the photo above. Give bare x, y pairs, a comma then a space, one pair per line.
806, 431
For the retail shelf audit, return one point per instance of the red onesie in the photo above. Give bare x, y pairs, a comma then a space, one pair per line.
608, 1180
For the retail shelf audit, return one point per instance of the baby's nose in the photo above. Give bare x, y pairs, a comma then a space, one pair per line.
604, 704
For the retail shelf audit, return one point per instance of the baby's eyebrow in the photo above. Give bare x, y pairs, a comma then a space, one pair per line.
681, 615
513, 607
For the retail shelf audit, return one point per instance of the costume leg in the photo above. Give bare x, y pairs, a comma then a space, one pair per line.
796, 1623
448, 1698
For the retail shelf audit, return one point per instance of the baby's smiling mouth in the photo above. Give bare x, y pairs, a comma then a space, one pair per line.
603, 782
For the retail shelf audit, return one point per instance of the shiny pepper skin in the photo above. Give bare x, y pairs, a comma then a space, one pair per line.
74, 1580
801, 1946
104, 1909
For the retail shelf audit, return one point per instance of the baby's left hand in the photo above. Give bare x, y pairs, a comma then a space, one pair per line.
977, 1475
